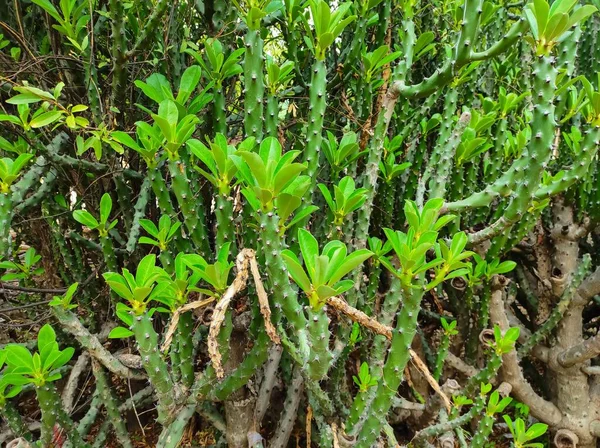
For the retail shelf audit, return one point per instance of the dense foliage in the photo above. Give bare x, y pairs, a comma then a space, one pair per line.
267, 223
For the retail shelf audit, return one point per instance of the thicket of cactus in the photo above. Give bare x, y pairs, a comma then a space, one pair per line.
286, 222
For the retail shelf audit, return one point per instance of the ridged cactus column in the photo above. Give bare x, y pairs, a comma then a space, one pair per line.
314, 133
542, 136
284, 296
154, 364
53, 413
393, 370
191, 207
14, 420
254, 84
324, 35
6, 212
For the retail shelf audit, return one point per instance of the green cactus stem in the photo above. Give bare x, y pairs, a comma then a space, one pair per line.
393, 370
254, 84
362, 402
124, 200
437, 186
522, 179
53, 413
317, 98
284, 296
29, 180
225, 222
253, 361
155, 366
372, 288
484, 429
444, 74
66, 253
441, 357
14, 420
286, 422
485, 375
205, 388
110, 403
449, 425
320, 355
6, 213
92, 88
385, 13
191, 206
589, 149
139, 211
87, 421
272, 116
171, 435
108, 251
147, 31
186, 349
496, 155
40, 194
139, 398
72, 325
159, 187
117, 16
542, 135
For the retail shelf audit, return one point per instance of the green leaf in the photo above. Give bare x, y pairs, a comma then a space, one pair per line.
562, 6
302, 214
146, 240
79, 108
188, 83
327, 196
45, 119
531, 18
343, 286
286, 175
84, 217
536, 430
118, 284
557, 25
581, 14
286, 204
310, 250
24, 98
10, 118
257, 167
541, 10
105, 208
270, 149
64, 357
352, 261
120, 333
505, 267
296, 271
325, 292
46, 336
146, 270
459, 241
18, 356
149, 227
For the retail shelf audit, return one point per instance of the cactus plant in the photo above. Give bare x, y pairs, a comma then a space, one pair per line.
377, 169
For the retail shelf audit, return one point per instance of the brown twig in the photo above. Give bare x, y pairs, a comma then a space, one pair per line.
239, 283
366, 321
309, 416
263, 300
175, 319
